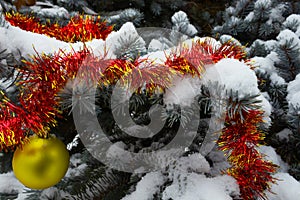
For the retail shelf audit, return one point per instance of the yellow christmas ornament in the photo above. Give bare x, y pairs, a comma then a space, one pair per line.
41, 163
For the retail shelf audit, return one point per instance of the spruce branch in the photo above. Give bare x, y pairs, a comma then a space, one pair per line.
238, 106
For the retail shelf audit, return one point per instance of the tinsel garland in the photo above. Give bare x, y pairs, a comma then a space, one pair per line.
79, 28
39, 84
45, 75
241, 138
241, 135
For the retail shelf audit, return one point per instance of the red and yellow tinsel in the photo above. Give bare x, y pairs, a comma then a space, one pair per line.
241, 138
79, 28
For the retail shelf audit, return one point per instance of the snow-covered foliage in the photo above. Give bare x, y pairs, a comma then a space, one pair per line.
9, 184
271, 30
123, 16
293, 90
147, 187
273, 85
292, 23
181, 24
233, 74
48, 10
188, 182
281, 66
249, 20
286, 181
200, 187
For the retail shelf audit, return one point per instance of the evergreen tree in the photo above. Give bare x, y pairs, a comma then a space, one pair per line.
191, 111
249, 20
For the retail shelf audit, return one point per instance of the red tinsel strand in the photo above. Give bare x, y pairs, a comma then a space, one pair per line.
78, 29
84, 29
42, 79
182, 65
48, 74
134, 76
13, 124
189, 61
226, 50
240, 138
